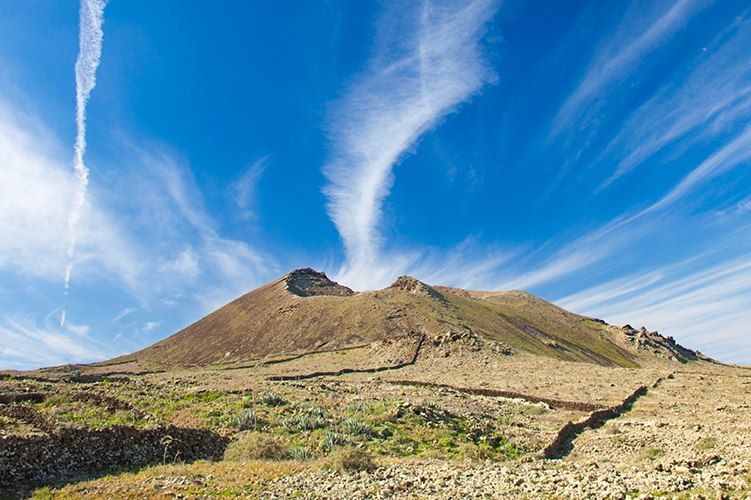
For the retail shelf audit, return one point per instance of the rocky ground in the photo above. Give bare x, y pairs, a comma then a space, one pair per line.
533, 479
690, 436
466, 419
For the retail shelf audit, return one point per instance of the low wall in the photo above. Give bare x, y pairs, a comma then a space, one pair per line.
73, 453
563, 442
496, 393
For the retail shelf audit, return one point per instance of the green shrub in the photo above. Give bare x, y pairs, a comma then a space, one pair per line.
301, 453
268, 399
256, 446
355, 427
706, 444
305, 419
358, 407
351, 459
331, 440
247, 421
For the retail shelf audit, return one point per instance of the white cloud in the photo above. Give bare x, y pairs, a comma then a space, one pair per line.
467, 265
732, 154
714, 97
122, 314
35, 192
743, 206
152, 325
621, 54
244, 189
34, 195
233, 265
10, 352
24, 343
184, 264
145, 232
588, 299
420, 71
80, 330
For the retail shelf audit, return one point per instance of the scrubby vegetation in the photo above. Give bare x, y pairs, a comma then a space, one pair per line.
281, 426
387, 428
331, 440
269, 399
305, 418
351, 459
66, 409
706, 443
257, 446
652, 454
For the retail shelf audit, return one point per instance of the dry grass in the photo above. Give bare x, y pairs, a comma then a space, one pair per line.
257, 446
351, 459
229, 479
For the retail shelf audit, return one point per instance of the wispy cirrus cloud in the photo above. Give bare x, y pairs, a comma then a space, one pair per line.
732, 154
702, 300
714, 98
244, 188
24, 342
644, 28
424, 65
36, 186
743, 206
146, 237
185, 241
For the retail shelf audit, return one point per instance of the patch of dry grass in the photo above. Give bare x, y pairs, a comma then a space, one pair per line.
245, 479
257, 446
351, 459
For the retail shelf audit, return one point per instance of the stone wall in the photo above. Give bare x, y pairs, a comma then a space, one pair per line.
72, 453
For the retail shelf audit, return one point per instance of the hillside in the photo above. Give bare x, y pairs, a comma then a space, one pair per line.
304, 311
501, 394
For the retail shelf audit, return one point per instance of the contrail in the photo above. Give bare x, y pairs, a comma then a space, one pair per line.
91, 17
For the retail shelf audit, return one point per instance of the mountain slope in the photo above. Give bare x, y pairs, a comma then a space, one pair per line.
304, 311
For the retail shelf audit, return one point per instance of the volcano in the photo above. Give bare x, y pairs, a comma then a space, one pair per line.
304, 311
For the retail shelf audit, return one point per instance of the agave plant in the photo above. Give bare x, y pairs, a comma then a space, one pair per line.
301, 453
331, 440
355, 427
268, 399
247, 421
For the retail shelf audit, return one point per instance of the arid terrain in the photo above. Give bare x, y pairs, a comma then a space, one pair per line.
305, 388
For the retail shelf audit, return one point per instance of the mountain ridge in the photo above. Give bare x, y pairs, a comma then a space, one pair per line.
304, 311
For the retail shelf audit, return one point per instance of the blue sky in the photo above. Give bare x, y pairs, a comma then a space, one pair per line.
595, 154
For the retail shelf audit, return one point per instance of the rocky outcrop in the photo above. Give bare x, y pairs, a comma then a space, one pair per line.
659, 345
308, 282
412, 285
444, 344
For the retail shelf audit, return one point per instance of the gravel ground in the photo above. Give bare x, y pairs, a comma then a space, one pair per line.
690, 436
532, 479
